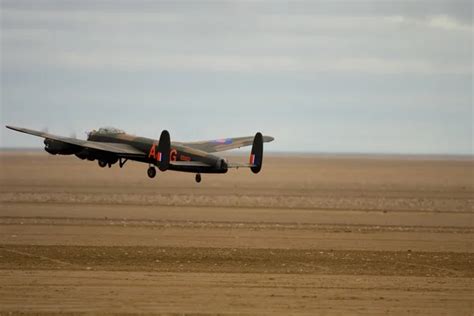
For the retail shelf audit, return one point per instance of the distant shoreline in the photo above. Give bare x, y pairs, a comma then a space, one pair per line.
333, 155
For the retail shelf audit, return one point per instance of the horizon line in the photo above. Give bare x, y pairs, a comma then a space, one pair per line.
302, 152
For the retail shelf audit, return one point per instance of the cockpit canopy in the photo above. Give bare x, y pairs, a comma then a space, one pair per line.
109, 130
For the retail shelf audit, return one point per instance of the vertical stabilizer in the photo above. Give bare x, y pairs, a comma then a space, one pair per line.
163, 152
256, 156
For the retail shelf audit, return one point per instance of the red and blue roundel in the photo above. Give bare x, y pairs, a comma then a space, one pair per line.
223, 141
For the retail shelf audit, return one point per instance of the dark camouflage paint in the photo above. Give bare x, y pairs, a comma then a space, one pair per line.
112, 146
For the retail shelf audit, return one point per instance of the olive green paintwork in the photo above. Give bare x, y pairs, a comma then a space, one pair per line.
110, 145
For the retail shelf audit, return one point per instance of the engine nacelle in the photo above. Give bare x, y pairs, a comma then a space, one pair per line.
56, 147
92, 155
85, 154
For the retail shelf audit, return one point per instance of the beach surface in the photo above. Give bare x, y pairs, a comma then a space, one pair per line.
310, 234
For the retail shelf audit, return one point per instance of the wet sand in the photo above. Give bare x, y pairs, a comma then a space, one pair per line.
310, 234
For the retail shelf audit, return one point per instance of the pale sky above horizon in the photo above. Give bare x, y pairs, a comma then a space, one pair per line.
319, 76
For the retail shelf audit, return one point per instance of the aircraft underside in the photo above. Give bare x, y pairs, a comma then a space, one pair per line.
110, 146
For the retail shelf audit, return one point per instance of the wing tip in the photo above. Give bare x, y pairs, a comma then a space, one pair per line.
268, 139
14, 128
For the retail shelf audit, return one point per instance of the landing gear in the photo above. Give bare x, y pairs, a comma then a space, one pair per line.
198, 178
151, 172
122, 162
102, 164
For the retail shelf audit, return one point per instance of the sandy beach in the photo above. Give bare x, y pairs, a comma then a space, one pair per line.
311, 234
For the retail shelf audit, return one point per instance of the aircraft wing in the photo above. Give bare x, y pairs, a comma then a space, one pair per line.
116, 148
212, 146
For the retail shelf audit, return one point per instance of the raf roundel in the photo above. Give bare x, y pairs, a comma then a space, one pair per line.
223, 141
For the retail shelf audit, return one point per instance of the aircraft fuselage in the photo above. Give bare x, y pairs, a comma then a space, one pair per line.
177, 153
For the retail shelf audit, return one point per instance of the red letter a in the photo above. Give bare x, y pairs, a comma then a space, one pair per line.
152, 151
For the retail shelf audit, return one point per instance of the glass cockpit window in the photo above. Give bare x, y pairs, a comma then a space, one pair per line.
110, 130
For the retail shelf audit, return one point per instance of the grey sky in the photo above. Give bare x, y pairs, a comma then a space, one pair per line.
330, 76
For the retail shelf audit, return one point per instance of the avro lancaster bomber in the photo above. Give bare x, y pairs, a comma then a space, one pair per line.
110, 146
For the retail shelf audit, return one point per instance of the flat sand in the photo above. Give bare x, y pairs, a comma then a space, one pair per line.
309, 235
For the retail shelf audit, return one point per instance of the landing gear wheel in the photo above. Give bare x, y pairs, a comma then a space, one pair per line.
198, 178
151, 172
102, 164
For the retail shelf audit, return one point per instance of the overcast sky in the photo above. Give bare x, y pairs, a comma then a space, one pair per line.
319, 76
